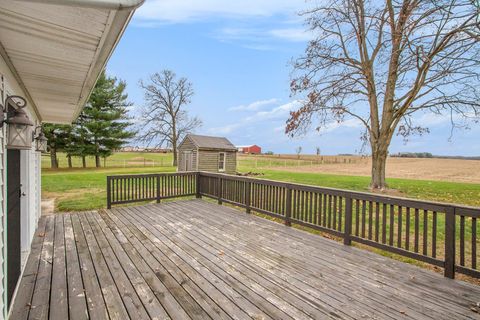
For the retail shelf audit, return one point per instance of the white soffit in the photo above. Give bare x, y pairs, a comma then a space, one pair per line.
57, 51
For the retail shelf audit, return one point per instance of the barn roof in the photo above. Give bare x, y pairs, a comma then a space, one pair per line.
209, 142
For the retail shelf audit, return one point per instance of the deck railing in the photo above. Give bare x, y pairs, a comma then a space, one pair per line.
441, 234
123, 189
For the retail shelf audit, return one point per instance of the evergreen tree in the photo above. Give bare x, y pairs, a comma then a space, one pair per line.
103, 125
57, 136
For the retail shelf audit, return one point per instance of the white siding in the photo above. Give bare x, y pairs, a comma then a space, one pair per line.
30, 171
3, 217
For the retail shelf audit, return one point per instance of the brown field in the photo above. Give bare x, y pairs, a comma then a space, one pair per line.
453, 170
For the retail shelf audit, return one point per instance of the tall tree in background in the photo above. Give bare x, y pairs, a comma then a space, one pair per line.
57, 136
103, 125
165, 122
382, 63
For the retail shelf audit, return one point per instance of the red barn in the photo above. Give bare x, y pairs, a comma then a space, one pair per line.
251, 149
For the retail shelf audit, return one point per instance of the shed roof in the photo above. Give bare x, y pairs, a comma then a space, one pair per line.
209, 142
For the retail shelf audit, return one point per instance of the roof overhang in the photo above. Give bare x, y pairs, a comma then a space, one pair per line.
56, 49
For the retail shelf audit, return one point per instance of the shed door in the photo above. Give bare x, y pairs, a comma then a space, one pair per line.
188, 158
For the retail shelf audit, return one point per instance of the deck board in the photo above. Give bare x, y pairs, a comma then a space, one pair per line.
193, 259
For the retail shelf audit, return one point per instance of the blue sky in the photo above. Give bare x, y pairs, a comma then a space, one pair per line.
237, 56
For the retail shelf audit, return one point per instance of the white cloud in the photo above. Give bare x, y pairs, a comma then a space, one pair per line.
280, 112
349, 123
292, 34
258, 37
268, 118
225, 130
254, 105
174, 11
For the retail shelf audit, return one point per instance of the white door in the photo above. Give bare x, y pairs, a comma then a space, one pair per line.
188, 160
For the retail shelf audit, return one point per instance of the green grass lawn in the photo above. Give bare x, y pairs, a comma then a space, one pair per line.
118, 160
85, 189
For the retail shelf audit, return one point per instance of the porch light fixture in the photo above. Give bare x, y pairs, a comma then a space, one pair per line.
19, 130
40, 140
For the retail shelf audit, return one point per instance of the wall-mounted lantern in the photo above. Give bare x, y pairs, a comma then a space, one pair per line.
19, 130
40, 140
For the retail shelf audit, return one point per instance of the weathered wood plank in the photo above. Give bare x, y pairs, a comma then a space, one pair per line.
155, 298
187, 295
223, 290
59, 295
97, 301
41, 295
23, 298
113, 281
77, 304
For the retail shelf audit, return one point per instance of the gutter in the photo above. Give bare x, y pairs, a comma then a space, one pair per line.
98, 4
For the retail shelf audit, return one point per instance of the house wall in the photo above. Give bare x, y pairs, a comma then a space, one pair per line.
186, 145
208, 161
30, 171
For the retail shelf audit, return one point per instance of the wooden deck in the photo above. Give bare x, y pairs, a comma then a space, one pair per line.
196, 259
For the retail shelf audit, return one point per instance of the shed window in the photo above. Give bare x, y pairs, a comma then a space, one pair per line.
221, 161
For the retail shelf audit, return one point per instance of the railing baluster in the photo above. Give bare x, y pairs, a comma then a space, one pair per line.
400, 223
109, 193
474, 243
462, 240
384, 223
357, 217
434, 234
392, 221
377, 220
364, 217
340, 213
449, 271
370, 219
334, 209
288, 207
425, 232
348, 221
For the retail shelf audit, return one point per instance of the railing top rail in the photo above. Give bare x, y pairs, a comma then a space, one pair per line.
142, 175
402, 201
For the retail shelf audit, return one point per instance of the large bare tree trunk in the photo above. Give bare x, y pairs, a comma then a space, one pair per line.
84, 162
379, 163
53, 158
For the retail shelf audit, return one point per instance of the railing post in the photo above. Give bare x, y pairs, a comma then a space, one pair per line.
248, 191
109, 193
449, 270
219, 189
198, 191
158, 189
288, 207
347, 240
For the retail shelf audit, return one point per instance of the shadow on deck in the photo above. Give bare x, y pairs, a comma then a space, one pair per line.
195, 259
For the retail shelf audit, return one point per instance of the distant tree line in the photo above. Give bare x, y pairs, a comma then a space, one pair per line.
102, 128
412, 155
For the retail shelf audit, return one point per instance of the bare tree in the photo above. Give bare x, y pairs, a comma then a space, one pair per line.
382, 62
298, 151
165, 122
